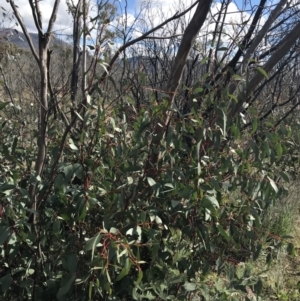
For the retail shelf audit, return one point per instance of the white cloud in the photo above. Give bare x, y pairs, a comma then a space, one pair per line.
63, 20
152, 13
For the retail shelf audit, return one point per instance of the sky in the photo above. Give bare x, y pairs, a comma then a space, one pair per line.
133, 7
134, 4
64, 21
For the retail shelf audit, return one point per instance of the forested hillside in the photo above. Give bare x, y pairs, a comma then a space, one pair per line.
149, 151
13, 36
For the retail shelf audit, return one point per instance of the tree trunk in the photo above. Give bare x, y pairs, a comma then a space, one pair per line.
188, 39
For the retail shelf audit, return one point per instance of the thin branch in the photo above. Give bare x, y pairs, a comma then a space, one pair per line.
283, 48
258, 38
35, 17
53, 16
25, 31
247, 37
6, 86
188, 39
286, 114
37, 11
164, 38
142, 37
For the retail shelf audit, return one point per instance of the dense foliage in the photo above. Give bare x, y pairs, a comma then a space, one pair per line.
106, 231
102, 199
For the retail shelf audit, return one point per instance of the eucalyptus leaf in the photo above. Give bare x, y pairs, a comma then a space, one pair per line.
66, 284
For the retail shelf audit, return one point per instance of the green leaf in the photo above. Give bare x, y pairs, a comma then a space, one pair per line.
198, 90
60, 183
4, 234
257, 252
129, 180
114, 230
73, 147
90, 290
189, 287
237, 77
269, 259
66, 284
12, 239
174, 203
143, 77
140, 277
136, 231
56, 226
224, 123
71, 169
263, 72
158, 220
274, 186
255, 149
212, 200
6, 187
72, 261
151, 181
254, 125
92, 244
132, 168
6, 282
284, 177
233, 97
125, 270
113, 123
223, 232
279, 150
13, 149
81, 207
3, 105
290, 249
258, 287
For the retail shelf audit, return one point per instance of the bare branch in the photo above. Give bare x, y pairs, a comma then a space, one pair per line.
142, 37
185, 47
164, 38
25, 31
284, 47
258, 38
37, 22
53, 15
247, 37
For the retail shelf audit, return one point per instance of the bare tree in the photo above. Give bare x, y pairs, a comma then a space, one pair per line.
41, 56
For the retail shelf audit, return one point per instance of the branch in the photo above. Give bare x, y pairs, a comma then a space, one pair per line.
164, 38
247, 37
25, 31
142, 37
35, 18
286, 114
53, 16
190, 34
283, 48
258, 38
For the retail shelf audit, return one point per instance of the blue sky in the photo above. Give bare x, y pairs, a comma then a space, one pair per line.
132, 3
64, 20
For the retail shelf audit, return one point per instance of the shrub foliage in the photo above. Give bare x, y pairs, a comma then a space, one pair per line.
118, 194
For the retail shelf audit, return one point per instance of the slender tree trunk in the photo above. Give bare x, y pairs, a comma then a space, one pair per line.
42, 139
77, 27
283, 48
188, 39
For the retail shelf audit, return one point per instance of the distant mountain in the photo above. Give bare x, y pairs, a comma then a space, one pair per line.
18, 38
